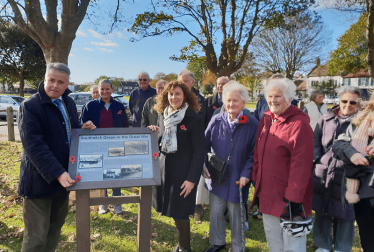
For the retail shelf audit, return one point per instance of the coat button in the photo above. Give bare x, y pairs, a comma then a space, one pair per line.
259, 139
63, 123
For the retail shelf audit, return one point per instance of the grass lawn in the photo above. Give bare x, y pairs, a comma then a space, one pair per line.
109, 232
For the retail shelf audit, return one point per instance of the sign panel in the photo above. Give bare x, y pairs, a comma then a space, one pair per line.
114, 158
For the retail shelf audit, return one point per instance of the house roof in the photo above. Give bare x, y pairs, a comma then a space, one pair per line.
318, 70
302, 86
129, 84
361, 73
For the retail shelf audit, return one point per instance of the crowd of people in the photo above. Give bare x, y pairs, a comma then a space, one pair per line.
271, 150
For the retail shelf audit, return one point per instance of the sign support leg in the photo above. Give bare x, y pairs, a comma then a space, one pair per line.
144, 219
83, 220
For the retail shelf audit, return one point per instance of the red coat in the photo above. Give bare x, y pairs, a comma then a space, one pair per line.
283, 162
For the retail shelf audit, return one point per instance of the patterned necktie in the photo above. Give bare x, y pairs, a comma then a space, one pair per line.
59, 104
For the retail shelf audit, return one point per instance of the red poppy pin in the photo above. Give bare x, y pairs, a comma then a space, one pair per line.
367, 152
214, 107
243, 119
72, 159
120, 112
155, 155
78, 178
183, 127
272, 116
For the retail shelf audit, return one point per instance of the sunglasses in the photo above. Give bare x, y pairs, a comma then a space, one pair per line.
350, 102
142, 79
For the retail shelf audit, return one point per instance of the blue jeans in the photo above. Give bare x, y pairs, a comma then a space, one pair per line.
343, 232
116, 192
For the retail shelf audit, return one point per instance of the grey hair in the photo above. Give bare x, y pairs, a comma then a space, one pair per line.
348, 89
92, 88
287, 86
107, 81
161, 80
235, 86
314, 94
143, 73
59, 67
186, 71
223, 77
277, 76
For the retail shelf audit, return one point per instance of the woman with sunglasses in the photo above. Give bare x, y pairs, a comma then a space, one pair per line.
328, 175
315, 108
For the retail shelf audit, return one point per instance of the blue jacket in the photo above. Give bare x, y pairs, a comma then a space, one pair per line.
138, 97
219, 140
262, 106
45, 144
91, 111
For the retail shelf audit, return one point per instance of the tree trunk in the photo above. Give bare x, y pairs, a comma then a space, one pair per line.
370, 38
21, 84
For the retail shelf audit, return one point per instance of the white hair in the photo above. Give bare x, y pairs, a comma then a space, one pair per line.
223, 77
287, 86
59, 67
92, 88
235, 86
143, 74
162, 81
186, 71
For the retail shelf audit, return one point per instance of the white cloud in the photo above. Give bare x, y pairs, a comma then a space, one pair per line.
96, 34
120, 35
82, 34
108, 44
105, 50
71, 55
88, 49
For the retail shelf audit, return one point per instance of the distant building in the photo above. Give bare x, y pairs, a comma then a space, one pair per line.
127, 87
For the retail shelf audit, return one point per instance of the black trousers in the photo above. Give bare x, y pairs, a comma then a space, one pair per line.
43, 219
365, 219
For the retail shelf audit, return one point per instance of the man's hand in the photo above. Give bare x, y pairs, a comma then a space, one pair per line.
89, 125
243, 182
358, 159
65, 180
205, 173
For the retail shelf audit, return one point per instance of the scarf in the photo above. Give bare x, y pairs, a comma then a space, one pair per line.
366, 129
169, 139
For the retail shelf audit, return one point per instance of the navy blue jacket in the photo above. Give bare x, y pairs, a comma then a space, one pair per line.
45, 144
138, 97
262, 106
91, 111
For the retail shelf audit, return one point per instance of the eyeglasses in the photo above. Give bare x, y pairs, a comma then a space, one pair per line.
143, 79
350, 102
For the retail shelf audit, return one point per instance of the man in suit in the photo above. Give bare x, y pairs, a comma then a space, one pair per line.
215, 101
149, 115
45, 121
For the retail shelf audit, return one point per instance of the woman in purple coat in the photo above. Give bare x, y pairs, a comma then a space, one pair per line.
328, 175
219, 138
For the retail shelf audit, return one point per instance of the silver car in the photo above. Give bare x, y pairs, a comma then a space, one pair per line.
10, 100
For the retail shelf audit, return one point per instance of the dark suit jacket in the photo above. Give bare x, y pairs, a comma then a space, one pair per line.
201, 101
211, 104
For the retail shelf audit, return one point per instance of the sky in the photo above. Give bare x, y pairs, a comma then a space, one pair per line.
94, 54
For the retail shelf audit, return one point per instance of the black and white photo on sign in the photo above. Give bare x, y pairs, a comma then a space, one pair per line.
136, 148
90, 161
116, 151
111, 174
131, 171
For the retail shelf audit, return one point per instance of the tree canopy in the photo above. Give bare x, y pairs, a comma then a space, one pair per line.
232, 24
21, 58
350, 56
293, 45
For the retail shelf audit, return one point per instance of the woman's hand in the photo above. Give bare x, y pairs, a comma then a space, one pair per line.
370, 150
358, 159
187, 187
243, 182
153, 128
205, 173
88, 125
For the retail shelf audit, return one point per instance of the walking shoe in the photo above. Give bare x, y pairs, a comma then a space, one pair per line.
257, 215
215, 248
322, 250
246, 226
118, 209
103, 209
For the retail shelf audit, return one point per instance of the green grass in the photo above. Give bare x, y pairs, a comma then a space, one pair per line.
110, 232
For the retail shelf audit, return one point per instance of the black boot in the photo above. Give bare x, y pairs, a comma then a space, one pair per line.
183, 230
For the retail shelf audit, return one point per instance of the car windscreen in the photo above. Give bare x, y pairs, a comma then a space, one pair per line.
18, 99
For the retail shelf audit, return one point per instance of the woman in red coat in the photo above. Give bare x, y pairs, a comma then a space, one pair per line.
283, 162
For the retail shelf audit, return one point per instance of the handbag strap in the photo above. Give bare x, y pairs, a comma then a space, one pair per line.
229, 157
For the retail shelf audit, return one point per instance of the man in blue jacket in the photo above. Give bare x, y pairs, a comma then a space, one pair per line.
138, 97
105, 112
45, 121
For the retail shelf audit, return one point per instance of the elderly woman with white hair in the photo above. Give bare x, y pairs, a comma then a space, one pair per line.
282, 168
231, 137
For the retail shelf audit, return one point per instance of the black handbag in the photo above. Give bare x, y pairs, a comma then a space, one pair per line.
217, 167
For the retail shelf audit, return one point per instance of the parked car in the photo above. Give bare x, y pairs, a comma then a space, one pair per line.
331, 100
83, 97
10, 100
